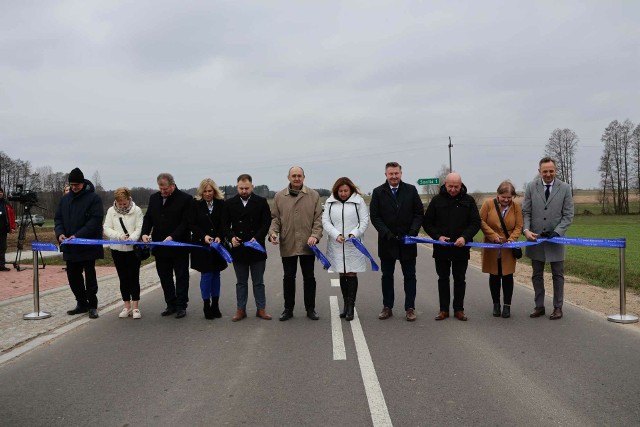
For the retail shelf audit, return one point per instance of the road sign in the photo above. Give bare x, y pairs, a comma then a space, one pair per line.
429, 181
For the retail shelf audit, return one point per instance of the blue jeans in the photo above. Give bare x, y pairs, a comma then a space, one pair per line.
388, 267
242, 286
210, 284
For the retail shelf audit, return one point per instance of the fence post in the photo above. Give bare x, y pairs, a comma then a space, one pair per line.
37, 314
623, 317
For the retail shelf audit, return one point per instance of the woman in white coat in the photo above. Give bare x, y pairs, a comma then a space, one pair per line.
124, 222
345, 216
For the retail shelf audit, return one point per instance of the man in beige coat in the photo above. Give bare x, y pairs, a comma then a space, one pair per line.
296, 224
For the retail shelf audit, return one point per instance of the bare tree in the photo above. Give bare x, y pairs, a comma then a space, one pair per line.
635, 156
615, 164
562, 147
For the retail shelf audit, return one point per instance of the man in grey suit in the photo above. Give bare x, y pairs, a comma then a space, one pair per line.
548, 212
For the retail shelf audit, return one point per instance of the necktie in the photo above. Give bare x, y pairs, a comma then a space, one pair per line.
395, 192
547, 191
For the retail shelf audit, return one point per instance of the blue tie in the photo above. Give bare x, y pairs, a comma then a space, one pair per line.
395, 192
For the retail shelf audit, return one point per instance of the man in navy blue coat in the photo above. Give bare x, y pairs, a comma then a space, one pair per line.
80, 214
396, 211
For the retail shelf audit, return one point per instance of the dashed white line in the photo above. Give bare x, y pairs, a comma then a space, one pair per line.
377, 405
339, 352
335, 283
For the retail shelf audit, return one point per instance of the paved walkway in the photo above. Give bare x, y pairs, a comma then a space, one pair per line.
16, 332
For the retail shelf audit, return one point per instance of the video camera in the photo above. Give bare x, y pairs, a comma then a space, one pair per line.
21, 195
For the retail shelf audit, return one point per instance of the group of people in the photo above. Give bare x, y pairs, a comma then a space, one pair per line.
296, 223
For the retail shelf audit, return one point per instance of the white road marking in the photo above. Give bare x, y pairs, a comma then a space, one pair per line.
335, 283
377, 405
339, 352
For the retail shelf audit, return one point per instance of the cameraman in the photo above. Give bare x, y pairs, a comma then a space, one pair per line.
7, 225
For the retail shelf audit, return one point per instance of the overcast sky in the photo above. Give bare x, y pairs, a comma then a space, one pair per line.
218, 88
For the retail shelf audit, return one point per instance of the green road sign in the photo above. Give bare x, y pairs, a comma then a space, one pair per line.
429, 181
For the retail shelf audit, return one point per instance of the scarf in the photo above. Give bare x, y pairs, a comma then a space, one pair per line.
125, 210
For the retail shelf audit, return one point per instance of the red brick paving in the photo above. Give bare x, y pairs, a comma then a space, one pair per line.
18, 283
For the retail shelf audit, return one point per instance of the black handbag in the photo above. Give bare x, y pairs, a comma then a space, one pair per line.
142, 252
517, 252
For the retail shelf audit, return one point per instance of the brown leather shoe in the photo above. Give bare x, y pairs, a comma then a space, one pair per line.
411, 315
442, 315
557, 314
240, 314
385, 313
460, 315
537, 312
262, 313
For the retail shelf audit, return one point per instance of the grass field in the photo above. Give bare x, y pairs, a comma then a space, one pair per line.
600, 266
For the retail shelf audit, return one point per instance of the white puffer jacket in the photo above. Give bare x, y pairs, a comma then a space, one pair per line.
350, 217
113, 229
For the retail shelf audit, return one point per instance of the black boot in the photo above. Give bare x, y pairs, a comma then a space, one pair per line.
496, 309
506, 311
215, 308
352, 290
343, 287
207, 309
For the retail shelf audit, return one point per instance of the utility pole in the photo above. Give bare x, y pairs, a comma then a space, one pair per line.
450, 145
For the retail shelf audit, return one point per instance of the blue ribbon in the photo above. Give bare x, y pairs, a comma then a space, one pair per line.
254, 245
360, 246
80, 241
575, 241
323, 259
43, 247
224, 253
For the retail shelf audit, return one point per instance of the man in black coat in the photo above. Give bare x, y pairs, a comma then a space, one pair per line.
396, 211
452, 216
166, 220
80, 214
246, 217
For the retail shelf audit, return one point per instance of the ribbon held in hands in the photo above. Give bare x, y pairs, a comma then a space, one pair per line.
254, 245
321, 257
360, 246
224, 253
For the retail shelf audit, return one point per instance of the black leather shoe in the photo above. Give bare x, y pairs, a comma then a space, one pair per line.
3, 268
496, 309
286, 315
181, 313
93, 313
168, 311
311, 314
78, 310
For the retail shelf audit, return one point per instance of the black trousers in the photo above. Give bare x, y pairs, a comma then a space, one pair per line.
290, 267
507, 286
457, 268
3, 248
85, 289
176, 294
128, 268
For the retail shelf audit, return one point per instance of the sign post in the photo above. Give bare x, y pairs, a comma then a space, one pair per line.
429, 181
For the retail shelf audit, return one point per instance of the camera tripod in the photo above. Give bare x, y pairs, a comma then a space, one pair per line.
25, 221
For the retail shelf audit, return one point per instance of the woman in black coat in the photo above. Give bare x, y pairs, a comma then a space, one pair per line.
205, 226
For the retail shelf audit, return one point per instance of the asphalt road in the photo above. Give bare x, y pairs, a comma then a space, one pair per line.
581, 370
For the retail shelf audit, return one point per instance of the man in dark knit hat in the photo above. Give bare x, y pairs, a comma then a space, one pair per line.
80, 214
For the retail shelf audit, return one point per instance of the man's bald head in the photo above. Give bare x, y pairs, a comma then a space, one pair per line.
453, 184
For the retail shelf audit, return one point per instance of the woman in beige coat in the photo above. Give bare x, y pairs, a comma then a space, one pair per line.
500, 263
